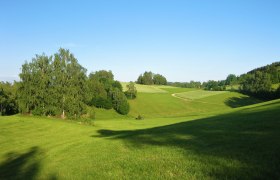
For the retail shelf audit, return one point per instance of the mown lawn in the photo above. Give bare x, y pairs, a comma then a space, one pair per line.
239, 144
176, 103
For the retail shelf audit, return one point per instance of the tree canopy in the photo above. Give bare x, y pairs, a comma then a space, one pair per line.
58, 86
131, 92
149, 78
105, 92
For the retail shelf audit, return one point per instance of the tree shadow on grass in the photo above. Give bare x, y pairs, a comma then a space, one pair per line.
21, 165
235, 102
250, 137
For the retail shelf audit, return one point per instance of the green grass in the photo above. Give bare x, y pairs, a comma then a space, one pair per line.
215, 136
198, 102
241, 144
197, 94
101, 114
148, 88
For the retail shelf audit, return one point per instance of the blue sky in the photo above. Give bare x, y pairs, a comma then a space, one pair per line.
183, 40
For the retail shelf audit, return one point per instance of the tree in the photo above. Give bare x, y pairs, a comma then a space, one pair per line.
106, 93
117, 84
131, 92
8, 104
69, 84
104, 77
140, 79
53, 86
119, 101
231, 79
3, 102
159, 79
258, 84
148, 78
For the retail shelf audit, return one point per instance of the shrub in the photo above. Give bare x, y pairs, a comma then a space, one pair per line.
37, 111
139, 117
100, 102
123, 108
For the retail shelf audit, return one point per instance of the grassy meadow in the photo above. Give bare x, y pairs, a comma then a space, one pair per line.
186, 134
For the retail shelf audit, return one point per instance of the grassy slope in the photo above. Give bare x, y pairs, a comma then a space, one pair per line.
242, 144
198, 94
190, 102
148, 88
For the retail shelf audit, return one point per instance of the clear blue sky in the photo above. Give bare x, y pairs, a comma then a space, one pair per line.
183, 40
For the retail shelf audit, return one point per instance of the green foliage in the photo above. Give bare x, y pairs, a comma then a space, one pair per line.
58, 85
231, 80
38, 111
8, 101
101, 102
159, 79
257, 84
149, 78
273, 70
214, 85
106, 78
191, 84
119, 101
117, 84
53, 86
131, 92
106, 93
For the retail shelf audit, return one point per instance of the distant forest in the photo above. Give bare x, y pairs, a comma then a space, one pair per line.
262, 82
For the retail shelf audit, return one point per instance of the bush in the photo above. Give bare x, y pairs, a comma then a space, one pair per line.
123, 108
130, 95
139, 117
100, 102
37, 111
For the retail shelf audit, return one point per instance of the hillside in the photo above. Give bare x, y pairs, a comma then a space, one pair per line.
180, 102
241, 143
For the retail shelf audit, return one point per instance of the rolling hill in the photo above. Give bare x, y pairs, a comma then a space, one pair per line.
213, 136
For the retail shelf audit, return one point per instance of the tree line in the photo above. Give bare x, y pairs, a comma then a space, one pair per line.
59, 86
257, 82
149, 78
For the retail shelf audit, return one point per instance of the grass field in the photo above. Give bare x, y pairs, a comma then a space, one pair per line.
179, 139
186, 102
198, 94
148, 88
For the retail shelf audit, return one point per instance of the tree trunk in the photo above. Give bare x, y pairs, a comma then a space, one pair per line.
63, 114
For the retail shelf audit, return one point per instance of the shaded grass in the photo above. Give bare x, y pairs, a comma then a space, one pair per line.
20, 166
240, 145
